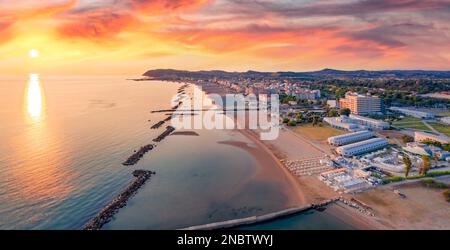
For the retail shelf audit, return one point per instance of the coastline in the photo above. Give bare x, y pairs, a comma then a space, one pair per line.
300, 192
308, 190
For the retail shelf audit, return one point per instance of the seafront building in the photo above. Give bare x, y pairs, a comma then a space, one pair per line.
415, 113
362, 147
369, 122
350, 138
361, 104
422, 136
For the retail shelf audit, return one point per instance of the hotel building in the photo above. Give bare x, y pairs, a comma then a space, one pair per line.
361, 104
362, 147
350, 138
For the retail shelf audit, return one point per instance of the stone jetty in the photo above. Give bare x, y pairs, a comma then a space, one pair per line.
105, 215
157, 125
168, 131
261, 218
134, 158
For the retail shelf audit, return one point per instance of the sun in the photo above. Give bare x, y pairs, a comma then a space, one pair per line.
33, 53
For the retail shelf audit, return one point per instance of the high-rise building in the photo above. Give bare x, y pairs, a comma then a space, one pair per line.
361, 104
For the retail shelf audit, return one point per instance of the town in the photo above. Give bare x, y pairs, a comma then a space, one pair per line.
373, 139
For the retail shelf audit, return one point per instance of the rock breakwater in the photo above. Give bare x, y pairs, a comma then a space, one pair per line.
134, 158
105, 215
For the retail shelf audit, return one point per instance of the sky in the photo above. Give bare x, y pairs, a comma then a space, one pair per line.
131, 36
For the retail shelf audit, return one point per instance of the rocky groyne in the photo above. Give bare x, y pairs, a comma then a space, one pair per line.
157, 125
105, 215
353, 203
134, 158
168, 131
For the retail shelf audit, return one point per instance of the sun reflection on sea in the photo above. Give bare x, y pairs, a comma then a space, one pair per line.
35, 98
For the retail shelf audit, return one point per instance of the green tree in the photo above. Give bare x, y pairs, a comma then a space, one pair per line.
408, 165
291, 123
332, 113
315, 120
345, 111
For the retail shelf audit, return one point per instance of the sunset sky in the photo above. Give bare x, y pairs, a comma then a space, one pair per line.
131, 36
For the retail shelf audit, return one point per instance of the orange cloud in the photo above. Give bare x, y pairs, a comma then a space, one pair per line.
159, 7
96, 25
5, 31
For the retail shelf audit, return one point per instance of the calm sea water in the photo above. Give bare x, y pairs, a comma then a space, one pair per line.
63, 141
329, 219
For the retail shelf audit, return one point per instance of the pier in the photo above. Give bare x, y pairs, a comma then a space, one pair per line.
260, 218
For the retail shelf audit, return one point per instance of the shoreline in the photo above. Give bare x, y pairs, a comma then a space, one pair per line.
297, 192
299, 195
305, 195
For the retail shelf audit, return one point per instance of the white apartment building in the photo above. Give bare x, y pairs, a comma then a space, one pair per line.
369, 122
350, 138
307, 94
362, 147
410, 112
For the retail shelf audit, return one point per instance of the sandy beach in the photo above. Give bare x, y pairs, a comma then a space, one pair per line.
423, 208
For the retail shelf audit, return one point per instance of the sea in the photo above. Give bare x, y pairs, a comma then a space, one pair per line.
63, 140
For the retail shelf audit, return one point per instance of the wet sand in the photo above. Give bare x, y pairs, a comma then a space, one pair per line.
270, 166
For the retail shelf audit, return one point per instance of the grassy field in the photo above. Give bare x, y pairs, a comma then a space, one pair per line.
412, 125
409, 119
317, 133
443, 114
441, 128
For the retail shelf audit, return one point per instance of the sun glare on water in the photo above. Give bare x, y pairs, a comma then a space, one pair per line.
34, 97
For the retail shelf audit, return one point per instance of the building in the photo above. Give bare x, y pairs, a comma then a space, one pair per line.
307, 94
416, 148
445, 120
369, 122
410, 112
350, 138
422, 136
355, 123
361, 104
332, 103
362, 147
344, 123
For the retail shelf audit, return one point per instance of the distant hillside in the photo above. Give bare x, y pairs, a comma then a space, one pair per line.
322, 74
